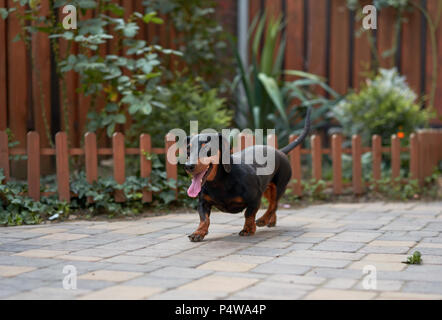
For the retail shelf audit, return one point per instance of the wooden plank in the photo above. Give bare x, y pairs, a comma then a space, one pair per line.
145, 164
395, 157
339, 50
414, 157
356, 145
376, 145
41, 83
118, 152
62, 161
411, 48
317, 42
171, 159
294, 53
385, 36
362, 53
432, 8
295, 164
337, 163
91, 157
3, 72
4, 155
316, 157
18, 93
33, 151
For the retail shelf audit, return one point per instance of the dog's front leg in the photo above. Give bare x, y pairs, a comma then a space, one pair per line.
203, 228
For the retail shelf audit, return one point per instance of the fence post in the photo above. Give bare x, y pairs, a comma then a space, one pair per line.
356, 150
316, 157
145, 164
337, 163
33, 152
171, 167
295, 163
414, 157
395, 157
376, 149
62, 161
4, 155
118, 153
91, 157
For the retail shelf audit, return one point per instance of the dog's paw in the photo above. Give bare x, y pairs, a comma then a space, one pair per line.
261, 222
246, 233
196, 237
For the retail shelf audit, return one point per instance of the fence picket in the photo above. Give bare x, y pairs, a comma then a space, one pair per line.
337, 163
4, 155
145, 164
414, 156
395, 157
119, 154
316, 157
62, 161
91, 156
171, 167
356, 150
272, 141
33, 152
295, 163
376, 149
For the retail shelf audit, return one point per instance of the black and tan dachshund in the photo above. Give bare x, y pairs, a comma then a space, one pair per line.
225, 181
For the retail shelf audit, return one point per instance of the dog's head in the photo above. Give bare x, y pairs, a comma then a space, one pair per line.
206, 153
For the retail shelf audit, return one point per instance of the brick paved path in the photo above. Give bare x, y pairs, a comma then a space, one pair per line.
313, 253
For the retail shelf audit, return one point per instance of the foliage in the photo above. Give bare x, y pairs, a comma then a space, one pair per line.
312, 190
186, 101
401, 7
384, 106
268, 101
414, 259
17, 209
127, 80
201, 38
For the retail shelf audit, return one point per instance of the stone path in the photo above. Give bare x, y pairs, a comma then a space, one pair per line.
314, 253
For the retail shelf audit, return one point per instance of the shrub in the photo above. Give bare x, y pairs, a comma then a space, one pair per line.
184, 101
384, 106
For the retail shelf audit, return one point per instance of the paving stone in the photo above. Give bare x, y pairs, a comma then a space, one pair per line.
381, 243
335, 294
179, 272
382, 285
277, 268
102, 253
407, 296
122, 293
49, 294
64, 236
384, 249
326, 254
130, 259
423, 287
110, 275
335, 273
182, 294
340, 283
219, 284
246, 258
356, 236
18, 247
297, 279
157, 282
227, 266
274, 290
380, 266
12, 271
41, 253
143, 268
339, 246
311, 262
258, 251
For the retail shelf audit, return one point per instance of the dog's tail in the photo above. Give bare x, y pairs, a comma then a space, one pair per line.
302, 137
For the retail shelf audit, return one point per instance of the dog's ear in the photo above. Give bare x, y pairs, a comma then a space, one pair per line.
224, 146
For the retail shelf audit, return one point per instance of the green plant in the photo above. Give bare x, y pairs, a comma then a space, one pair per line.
268, 101
88, 199
414, 259
126, 80
200, 38
384, 106
312, 190
397, 189
401, 7
186, 101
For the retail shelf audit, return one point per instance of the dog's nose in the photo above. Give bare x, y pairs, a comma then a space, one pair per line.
189, 167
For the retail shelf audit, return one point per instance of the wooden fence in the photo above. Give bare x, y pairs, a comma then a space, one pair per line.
34, 151
320, 39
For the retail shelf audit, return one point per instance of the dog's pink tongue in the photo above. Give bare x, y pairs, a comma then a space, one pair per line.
195, 187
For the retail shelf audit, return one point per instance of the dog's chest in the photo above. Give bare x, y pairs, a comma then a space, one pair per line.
226, 200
